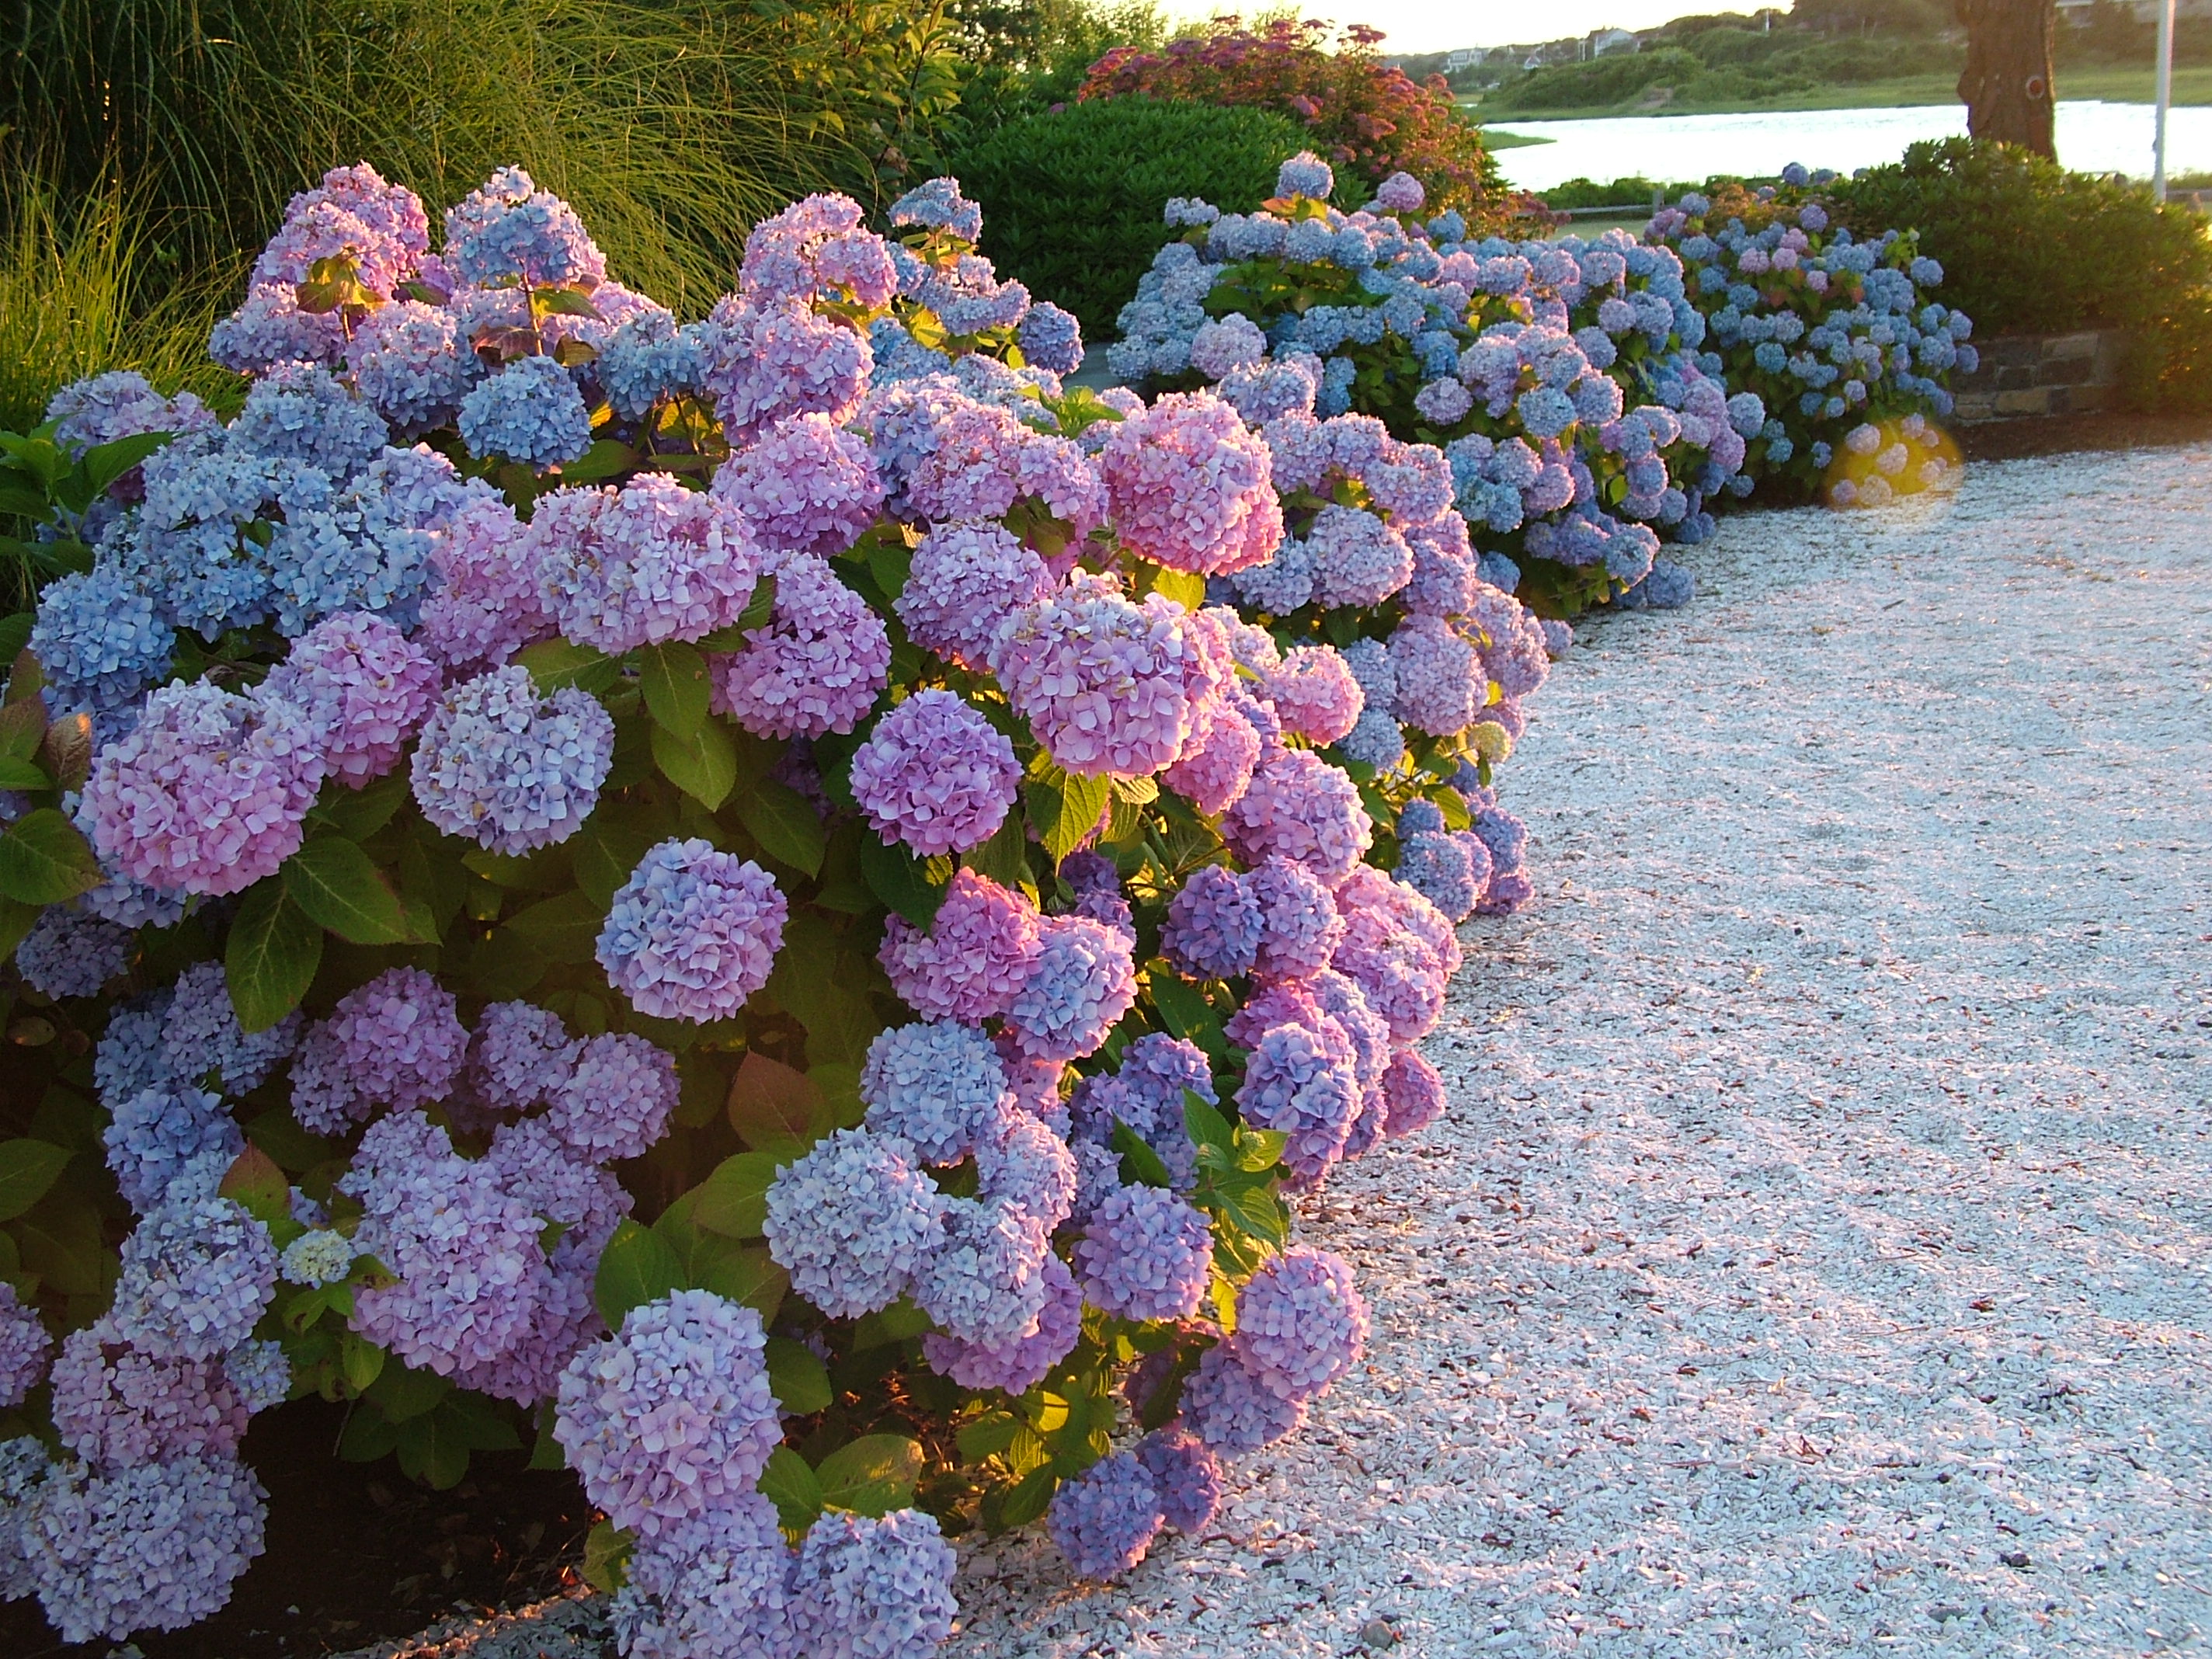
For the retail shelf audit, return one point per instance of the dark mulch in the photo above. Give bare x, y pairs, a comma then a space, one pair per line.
358, 1554
2055, 434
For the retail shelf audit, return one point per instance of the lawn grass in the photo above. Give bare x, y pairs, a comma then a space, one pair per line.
2192, 84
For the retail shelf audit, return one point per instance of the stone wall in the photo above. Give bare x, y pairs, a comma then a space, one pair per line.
2025, 375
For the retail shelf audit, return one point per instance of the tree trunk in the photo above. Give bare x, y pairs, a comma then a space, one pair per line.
2006, 84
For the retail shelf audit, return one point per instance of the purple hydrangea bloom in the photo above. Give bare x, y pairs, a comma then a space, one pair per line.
209, 794
1052, 339
485, 604
874, 1589
1215, 766
509, 769
1413, 1093
196, 1275
693, 933
1080, 981
117, 1405
940, 1087
365, 688
936, 775
1019, 1365
1301, 808
154, 1136
1299, 928
24, 1346
984, 1282
1305, 174
976, 956
531, 412
1188, 482
814, 667
1439, 868
1400, 192
1214, 925
938, 205
155, 1548
1185, 1477
716, 1585
1439, 675
397, 1041
409, 361
71, 952
770, 362
852, 1222
965, 582
1301, 1084
1106, 1518
673, 1417
803, 486
1301, 1323
1228, 1408
651, 562
519, 1056
616, 1101
1145, 1255
1101, 680
302, 412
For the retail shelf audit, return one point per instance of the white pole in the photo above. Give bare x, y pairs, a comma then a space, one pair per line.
2164, 98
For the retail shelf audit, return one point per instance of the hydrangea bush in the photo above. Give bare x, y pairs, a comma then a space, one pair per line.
1596, 398
749, 899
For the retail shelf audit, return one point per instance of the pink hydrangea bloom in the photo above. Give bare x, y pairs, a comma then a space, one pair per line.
1412, 1094
803, 486
209, 794
983, 460
974, 958
1304, 809
814, 667
1315, 694
1080, 981
817, 247
965, 582
365, 686
936, 775
1101, 679
397, 1041
1215, 766
1189, 486
651, 562
779, 359
484, 605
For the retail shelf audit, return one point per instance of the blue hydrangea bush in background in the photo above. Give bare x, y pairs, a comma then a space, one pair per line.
1596, 398
770, 905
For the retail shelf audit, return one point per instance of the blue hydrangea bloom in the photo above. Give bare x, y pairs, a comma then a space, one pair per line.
1106, 1518
531, 412
153, 1136
874, 1589
1145, 1255
197, 1274
1185, 1477
99, 639
1213, 925
941, 1086
302, 412
852, 1221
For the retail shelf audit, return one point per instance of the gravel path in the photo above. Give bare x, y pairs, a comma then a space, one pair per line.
1817, 1256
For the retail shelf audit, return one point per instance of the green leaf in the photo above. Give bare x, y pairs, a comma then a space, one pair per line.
43, 859
703, 765
789, 1483
605, 458
27, 1169
1140, 1164
797, 1376
362, 1361
1186, 588
254, 1180
1027, 1498
1183, 1007
637, 1267
103, 463
16, 921
565, 927
734, 1200
432, 1451
271, 957
776, 1108
987, 1436
404, 1394
555, 663
564, 303
743, 1272
1005, 857
784, 823
338, 886
606, 1557
901, 881
1253, 1208
1204, 1122
893, 1324
673, 678
872, 1476
605, 853
357, 814
1260, 1149
758, 609
369, 1434
21, 775
278, 1133
1066, 808
23, 728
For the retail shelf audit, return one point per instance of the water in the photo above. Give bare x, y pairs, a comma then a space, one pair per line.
2093, 137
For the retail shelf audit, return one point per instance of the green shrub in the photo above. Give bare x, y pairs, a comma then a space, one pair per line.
1071, 198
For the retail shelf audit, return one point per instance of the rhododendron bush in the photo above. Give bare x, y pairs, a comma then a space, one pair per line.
730, 900
1596, 398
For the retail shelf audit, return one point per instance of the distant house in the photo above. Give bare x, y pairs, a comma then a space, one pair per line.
1602, 41
1465, 57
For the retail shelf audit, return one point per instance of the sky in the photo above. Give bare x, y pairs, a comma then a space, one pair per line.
1441, 25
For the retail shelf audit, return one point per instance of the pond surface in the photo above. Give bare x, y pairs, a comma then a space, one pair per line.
2093, 137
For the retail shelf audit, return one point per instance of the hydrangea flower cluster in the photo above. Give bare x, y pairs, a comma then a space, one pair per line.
693, 933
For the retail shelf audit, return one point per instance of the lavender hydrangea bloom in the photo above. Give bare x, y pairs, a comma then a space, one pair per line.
153, 1136
615, 1101
71, 952
650, 562
155, 1548
940, 1087
1301, 1323
1019, 1365
874, 1589
409, 361
1145, 1255
1028, 1163
1305, 174
1297, 1082
975, 958
936, 775
673, 1417
365, 687
530, 412
1228, 1408
196, 1275
1052, 339
1439, 869
302, 412
984, 1282
1214, 925
509, 769
1103, 680
814, 667
117, 1405
966, 579
1106, 1518
1301, 808
717, 1585
693, 933
852, 1222
24, 1346
520, 1055
507, 230
1080, 981
1185, 1477
803, 486
1299, 928
397, 1041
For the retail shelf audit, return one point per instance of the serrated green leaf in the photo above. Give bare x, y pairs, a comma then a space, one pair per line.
759, 607
734, 1200
1259, 1149
785, 823
604, 853
1028, 1497
22, 726
1182, 1007
271, 957
337, 885
1140, 1164
673, 677
893, 1324
16, 921
1005, 857
901, 881
1204, 1121
607, 1550
554, 663
1065, 808
703, 765
637, 1267
43, 859
797, 1377
404, 1394
103, 463
369, 1434
1186, 588
789, 1483
605, 458
362, 1361
566, 926
21, 775
872, 1476
27, 1169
